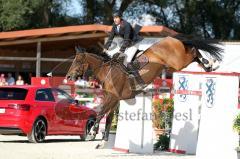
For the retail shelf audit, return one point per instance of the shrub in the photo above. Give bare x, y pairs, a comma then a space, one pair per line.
162, 143
236, 124
236, 127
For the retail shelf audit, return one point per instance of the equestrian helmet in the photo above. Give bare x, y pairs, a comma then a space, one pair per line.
117, 14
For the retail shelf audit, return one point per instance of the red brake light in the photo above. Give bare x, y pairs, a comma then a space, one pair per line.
25, 107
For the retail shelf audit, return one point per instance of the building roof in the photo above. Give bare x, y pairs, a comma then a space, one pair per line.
71, 32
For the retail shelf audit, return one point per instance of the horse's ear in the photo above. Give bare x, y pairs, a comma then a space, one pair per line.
79, 49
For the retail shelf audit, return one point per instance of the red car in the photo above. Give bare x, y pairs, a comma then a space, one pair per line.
37, 111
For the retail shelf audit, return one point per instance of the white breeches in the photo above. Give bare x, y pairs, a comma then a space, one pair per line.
130, 52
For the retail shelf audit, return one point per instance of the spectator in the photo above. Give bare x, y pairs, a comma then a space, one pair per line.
96, 83
81, 82
29, 78
3, 80
93, 83
10, 79
19, 80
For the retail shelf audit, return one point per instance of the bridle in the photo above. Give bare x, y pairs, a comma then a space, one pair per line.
81, 63
82, 68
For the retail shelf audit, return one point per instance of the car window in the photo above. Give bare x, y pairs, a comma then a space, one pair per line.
13, 93
44, 95
60, 95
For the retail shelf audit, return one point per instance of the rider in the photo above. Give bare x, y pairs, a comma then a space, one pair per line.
123, 29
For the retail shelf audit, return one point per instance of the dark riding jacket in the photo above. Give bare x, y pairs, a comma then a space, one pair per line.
126, 32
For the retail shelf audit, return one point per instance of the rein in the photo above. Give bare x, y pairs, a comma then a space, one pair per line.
62, 62
97, 68
109, 70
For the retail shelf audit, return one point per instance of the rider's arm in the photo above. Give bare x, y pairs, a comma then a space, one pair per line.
110, 38
126, 37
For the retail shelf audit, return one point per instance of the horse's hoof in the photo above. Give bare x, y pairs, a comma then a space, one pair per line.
101, 145
97, 147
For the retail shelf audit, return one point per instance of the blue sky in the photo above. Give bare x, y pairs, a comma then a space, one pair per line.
74, 8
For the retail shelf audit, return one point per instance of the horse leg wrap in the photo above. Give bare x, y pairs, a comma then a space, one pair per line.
95, 127
207, 69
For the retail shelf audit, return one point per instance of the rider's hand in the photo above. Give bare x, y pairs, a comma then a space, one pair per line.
105, 50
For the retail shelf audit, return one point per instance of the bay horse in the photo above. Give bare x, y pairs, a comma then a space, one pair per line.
177, 52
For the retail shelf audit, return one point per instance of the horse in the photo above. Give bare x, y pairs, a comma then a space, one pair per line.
176, 52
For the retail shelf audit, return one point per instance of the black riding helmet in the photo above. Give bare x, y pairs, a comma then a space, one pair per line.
117, 14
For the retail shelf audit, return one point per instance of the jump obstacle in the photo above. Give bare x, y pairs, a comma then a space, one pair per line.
205, 105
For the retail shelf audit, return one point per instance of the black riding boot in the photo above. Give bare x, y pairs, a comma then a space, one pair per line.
141, 84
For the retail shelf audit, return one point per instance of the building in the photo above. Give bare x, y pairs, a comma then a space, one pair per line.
39, 51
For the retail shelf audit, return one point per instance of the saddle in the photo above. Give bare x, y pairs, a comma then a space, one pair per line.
138, 62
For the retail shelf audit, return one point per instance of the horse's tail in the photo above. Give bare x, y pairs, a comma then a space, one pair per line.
209, 45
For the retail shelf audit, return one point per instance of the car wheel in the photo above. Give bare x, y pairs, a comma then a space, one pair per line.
39, 131
86, 136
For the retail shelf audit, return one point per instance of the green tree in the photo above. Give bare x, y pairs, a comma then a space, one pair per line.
13, 14
26, 14
208, 18
100, 11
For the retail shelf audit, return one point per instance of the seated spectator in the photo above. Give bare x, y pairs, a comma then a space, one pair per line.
19, 80
3, 80
10, 79
80, 82
93, 83
96, 83
29, 78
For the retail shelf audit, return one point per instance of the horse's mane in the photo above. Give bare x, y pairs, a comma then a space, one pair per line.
105, 57
94, 51
208, 45
98, 52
